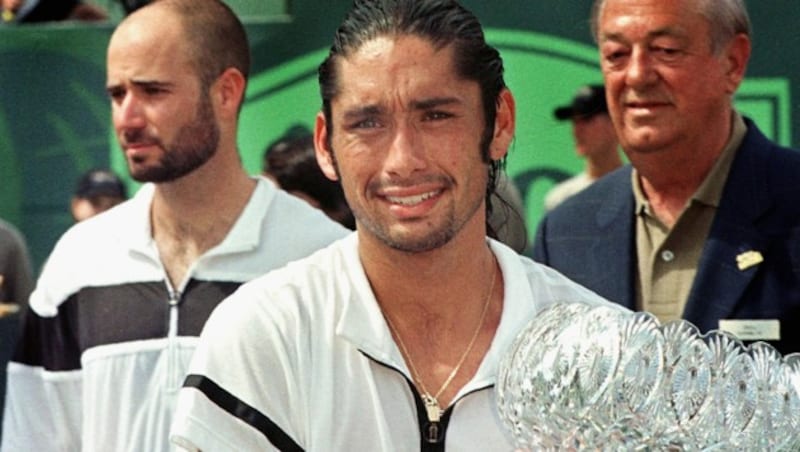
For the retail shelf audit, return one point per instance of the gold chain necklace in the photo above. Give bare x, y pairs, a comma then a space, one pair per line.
432, 406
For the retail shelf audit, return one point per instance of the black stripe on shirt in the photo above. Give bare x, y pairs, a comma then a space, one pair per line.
238, 409
49, 342
103, 315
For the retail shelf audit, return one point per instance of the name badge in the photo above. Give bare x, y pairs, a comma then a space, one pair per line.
753, 330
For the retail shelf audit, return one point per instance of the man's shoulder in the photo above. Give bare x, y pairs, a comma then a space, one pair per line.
758, 146
613, 187
105, 231
313, 271
308, 285
566, 188
282, 228
763, 166
288, 212
10, 237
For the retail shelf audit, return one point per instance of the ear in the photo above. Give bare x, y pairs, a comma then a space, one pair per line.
73, 206
229, 91
504, 125
737, 55
325, 158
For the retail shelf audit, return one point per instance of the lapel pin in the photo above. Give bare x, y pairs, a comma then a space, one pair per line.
748, 259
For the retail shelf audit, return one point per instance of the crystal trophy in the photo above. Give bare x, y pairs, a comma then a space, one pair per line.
602, 378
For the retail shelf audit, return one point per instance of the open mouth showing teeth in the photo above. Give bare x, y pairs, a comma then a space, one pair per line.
412, 200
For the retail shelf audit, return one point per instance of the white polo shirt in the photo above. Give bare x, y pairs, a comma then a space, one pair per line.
302, 359
107, 340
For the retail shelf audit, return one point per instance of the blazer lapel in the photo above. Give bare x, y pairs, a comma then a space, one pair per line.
721, 280
617, 250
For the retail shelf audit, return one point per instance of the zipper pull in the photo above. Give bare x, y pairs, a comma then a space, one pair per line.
432, 408
174, 297
433, 432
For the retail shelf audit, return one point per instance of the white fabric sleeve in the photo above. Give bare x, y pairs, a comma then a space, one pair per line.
42, 410
43, 407
241, 394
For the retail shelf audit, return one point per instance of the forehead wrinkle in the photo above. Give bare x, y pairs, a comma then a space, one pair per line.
676, 32
640, 15
365, 90
422, 104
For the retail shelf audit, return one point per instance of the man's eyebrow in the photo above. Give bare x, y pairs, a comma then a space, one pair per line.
144, 83
151, 83
427, 104
375, 110
361, 112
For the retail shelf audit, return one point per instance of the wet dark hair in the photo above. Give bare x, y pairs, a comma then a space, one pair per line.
442, 23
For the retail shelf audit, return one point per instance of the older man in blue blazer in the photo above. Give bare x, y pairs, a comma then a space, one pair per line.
704, 224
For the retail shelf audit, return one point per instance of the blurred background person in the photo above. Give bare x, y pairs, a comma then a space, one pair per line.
32, 11
704, 224
16, 284
97, 190
595, 141
506, 214
130, 6
113, 321
16, 274
291, 163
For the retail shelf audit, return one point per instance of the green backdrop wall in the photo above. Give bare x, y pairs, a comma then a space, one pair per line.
54, 114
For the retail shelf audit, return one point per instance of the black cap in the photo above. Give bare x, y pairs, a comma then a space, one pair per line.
99, 182
589, 100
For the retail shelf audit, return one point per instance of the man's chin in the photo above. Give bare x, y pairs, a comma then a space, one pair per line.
144, 176
419, 243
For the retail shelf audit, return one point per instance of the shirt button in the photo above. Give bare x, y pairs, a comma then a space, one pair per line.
667, 256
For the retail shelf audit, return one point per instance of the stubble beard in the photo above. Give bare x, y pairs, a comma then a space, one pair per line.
445, 228
435, 239
194, 145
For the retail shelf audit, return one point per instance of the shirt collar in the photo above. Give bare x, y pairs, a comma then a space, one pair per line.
244, 235
362, 324
710, 190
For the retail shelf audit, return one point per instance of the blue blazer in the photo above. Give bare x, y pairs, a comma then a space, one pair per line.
591, 239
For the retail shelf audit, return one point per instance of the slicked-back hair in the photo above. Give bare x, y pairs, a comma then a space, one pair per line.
727, 18
442, 23
216, 37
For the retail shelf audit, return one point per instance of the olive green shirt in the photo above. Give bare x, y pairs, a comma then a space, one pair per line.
668, 258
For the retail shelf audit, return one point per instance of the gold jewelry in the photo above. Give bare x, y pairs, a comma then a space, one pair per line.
432, 406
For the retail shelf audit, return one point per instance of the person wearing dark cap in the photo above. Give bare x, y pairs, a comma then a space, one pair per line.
704, 224
595, 141
97, 190
38, 11
114, 319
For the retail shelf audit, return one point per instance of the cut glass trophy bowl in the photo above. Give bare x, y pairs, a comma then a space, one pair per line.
582, 377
